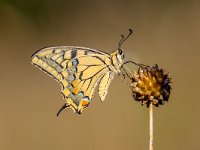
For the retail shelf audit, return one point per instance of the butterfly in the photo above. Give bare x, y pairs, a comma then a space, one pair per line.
79, 70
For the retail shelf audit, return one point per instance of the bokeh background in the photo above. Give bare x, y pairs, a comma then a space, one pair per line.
166, 32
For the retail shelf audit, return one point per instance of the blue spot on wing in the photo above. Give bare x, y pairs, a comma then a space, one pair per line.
75, 62
81, 93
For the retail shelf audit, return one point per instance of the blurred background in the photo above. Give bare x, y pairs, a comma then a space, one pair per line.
166, 32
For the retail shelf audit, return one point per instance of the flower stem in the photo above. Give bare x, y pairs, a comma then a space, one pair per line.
151, 126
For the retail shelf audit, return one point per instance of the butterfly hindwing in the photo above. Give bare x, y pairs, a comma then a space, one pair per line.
104, 84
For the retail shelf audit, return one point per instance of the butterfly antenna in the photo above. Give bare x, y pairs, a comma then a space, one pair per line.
120, 42
123, 39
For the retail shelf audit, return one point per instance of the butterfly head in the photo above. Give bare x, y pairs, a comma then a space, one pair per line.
118, 55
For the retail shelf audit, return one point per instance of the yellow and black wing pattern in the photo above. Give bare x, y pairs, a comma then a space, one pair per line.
79, 70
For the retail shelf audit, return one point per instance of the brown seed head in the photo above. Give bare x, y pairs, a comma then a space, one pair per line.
151, 84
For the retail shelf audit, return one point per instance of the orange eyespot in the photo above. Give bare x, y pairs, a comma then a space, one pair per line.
84, 103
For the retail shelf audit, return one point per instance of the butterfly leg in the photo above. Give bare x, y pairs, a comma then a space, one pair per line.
135, 63
123, 76
125, 72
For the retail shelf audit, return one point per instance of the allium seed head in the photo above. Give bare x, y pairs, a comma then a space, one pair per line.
151, 84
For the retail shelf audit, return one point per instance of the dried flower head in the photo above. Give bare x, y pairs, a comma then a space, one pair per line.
151, 84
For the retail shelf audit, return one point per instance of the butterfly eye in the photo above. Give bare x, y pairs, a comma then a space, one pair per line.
120, 51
